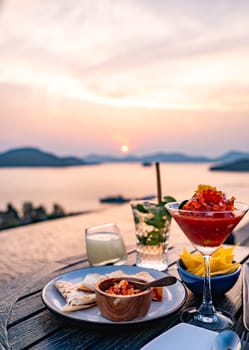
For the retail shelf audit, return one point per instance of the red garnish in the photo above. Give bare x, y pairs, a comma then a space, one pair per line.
208, 198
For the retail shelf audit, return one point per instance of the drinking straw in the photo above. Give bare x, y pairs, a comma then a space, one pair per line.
158, 182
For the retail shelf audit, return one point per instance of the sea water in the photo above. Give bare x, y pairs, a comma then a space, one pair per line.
80, 188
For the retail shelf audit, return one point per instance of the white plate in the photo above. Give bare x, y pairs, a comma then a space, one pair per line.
183, 336
174, 296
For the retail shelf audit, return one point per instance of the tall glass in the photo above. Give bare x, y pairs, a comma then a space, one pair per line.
105, 245
207, 230
152, 223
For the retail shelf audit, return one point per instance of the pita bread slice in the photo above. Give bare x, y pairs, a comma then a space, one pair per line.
75, 299
117, 273
89, 282
157, 292
145, 276
70, 308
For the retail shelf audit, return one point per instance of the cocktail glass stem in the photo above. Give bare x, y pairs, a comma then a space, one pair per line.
206, 310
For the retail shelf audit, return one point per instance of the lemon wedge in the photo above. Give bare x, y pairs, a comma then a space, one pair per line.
221, 262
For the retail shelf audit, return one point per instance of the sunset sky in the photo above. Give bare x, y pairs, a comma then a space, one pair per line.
91, 76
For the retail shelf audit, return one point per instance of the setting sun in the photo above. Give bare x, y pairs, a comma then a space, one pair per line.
124, 148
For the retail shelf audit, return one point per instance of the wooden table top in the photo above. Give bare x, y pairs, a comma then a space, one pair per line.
26, 323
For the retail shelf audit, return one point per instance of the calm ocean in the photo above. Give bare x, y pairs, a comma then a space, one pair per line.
79, 188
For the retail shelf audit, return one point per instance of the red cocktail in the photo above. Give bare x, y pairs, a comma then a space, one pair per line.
207, 230
207, 219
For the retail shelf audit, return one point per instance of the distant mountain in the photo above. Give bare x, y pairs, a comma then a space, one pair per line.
232, 156
34, 157
104, 158
37, 158
156, 157
166, 157
237, 165
173, 157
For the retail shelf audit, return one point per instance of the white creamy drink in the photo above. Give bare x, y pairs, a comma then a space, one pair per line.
105, 248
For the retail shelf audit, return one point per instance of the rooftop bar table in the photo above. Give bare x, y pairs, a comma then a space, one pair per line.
26, 323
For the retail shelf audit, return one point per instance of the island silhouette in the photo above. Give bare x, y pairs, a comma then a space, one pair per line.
30, 214
34, 157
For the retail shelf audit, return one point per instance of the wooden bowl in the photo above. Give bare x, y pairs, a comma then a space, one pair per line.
120, 308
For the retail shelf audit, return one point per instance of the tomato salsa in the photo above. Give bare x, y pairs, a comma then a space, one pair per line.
122, 287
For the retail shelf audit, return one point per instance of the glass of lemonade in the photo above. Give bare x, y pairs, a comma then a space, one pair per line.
105, 245
152, 224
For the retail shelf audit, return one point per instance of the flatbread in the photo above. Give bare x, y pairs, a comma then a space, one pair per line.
144, 275
157, 292
117, 273
89, 282
75, 299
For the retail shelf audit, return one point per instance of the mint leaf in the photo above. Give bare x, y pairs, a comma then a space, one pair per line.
152, 238
141, 208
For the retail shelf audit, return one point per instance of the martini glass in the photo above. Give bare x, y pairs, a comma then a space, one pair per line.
207, 230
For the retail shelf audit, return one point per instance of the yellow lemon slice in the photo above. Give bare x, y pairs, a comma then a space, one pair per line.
221, 262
